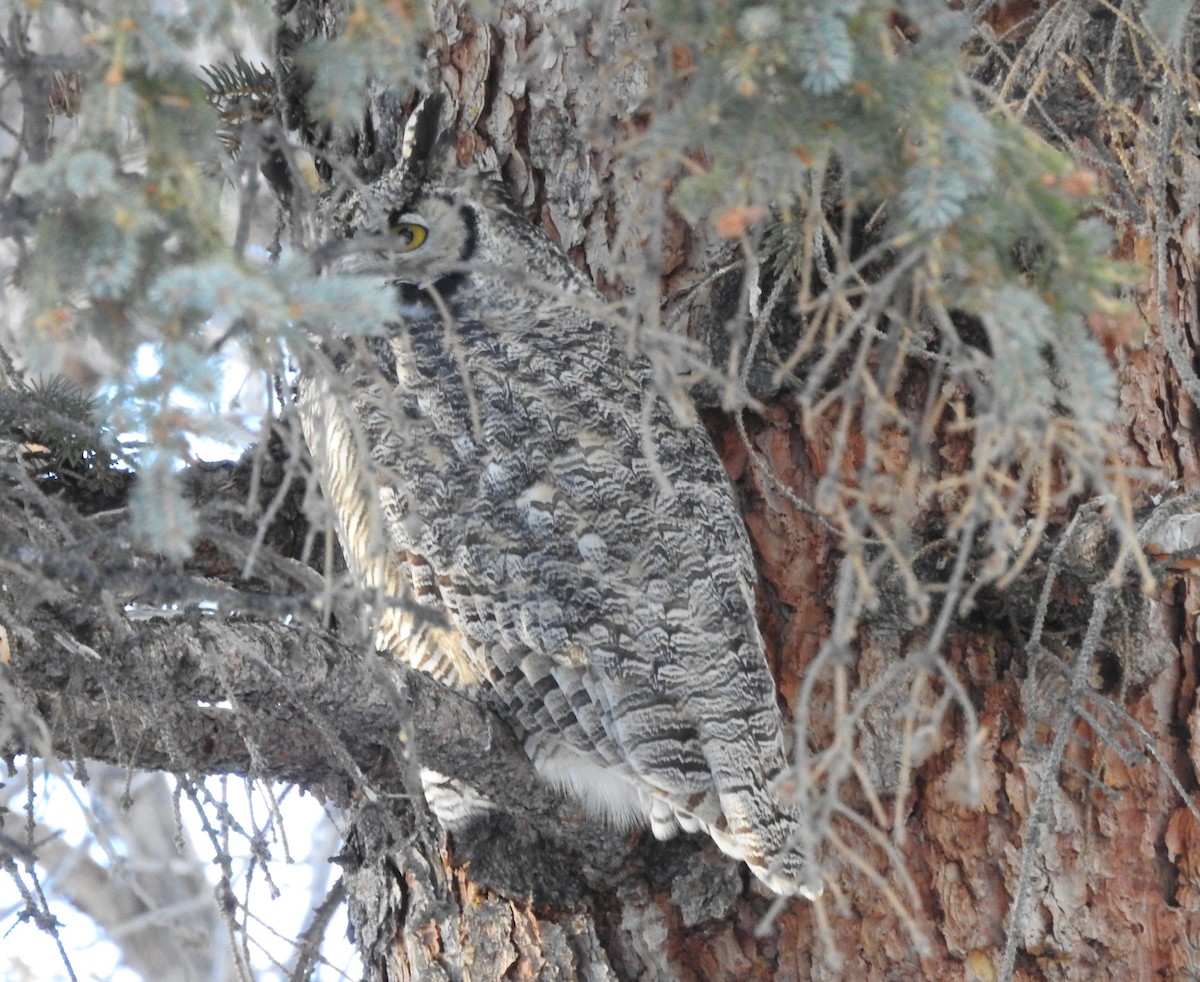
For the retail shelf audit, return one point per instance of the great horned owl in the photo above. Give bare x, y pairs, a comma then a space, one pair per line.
506, 457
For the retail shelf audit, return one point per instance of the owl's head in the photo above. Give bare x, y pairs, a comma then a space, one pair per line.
450, 239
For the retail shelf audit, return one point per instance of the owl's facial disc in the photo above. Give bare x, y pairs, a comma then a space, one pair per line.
431, 246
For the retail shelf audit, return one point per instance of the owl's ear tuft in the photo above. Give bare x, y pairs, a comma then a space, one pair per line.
426, 143
423, 128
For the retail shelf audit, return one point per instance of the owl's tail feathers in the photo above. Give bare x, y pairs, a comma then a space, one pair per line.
760, 831
788, 873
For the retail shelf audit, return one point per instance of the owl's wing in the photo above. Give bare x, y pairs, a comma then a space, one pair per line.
585, 545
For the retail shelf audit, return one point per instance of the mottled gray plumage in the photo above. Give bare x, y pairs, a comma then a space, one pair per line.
504, 457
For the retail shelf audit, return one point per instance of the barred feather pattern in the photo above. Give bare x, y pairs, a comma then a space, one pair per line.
562, 540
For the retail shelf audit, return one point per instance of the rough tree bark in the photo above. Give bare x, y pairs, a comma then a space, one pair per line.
1112, 882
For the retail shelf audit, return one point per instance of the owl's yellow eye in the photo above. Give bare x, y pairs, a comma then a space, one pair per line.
410, 234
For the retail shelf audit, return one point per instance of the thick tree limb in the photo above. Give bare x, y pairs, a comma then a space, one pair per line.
208, 694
